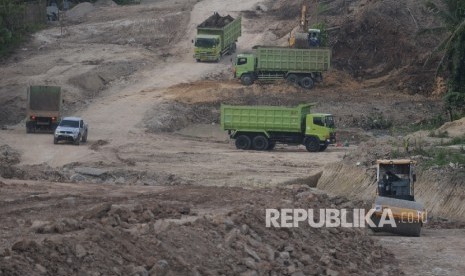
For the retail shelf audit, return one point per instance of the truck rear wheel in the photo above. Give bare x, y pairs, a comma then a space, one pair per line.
307, 83
247, 79
260, 142
243, 142
292, 78
323, 147
312, 144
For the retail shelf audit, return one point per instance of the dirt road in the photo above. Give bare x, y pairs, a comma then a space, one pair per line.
437, 252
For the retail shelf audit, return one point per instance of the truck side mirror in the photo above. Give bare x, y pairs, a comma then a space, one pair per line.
414, 177
192, 41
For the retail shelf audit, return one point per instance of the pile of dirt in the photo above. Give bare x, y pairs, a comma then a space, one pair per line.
105, 3
88, 173
167, 233
98, 78
78, 12
172, 116
9, 156
454, 129
216, 21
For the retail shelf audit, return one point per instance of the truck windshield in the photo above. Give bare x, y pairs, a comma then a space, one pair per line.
330, 121
68, 123
205, 42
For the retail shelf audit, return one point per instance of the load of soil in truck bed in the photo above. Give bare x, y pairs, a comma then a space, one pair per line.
216, 21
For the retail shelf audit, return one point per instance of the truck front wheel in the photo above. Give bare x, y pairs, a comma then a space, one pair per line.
260, 142
307, 83
247, 79
312, 144
243, 142
84, 138
78, 140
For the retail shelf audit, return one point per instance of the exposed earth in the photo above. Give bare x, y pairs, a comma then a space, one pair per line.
159, 189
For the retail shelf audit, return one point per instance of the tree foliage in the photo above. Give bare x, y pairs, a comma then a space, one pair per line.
13, 23
452, 13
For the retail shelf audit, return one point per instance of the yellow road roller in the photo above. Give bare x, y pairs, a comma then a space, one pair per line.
395, 196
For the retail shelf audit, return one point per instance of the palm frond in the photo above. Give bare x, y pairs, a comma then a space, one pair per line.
447, 46
434, 30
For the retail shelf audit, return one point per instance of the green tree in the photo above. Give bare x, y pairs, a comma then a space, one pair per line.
452, 47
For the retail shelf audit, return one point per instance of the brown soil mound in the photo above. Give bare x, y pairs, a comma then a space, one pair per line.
167, 234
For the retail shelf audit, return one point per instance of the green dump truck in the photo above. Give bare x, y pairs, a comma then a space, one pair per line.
216, 36
43, 108
299, 66
261, 127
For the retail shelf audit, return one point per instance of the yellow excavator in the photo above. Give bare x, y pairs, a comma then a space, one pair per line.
395, 191
304, 38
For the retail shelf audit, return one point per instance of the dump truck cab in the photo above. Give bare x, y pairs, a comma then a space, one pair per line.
245, 64
207, 47
321, 125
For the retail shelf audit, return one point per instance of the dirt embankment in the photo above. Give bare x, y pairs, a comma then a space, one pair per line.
371, 108
440, 184
194, 231
376, 40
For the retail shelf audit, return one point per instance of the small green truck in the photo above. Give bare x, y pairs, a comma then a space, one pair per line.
261, 127
44, 105
216, 36
298, 66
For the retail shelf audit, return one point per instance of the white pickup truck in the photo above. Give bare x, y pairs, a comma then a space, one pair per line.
71, 129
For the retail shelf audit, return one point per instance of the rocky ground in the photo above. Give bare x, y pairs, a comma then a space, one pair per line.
159, 189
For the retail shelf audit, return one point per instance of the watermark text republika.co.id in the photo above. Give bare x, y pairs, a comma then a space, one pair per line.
349, 218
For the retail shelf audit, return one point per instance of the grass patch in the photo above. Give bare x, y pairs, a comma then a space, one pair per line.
430, 124
438, 134
443, 157
460, 140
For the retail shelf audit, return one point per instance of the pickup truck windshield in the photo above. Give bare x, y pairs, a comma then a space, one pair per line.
68, 123
205, 42
330, 121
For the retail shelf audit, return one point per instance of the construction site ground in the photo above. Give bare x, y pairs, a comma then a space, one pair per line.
159, 188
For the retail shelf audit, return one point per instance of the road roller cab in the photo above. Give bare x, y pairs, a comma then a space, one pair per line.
396, 179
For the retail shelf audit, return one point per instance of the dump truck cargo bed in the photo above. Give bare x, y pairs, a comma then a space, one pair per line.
44, 105
294, 60
268, 118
